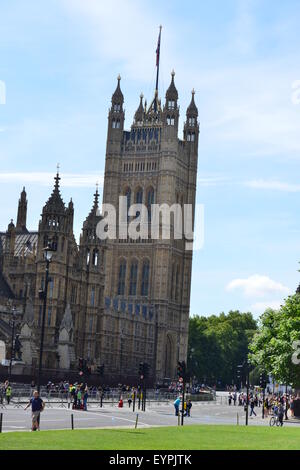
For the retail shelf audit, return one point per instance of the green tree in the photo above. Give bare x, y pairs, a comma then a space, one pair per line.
217, 344
272, 346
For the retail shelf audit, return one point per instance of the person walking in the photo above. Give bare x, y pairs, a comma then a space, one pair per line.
252, 405
176, 406
37, 406
188, 408
8, 392
85, 399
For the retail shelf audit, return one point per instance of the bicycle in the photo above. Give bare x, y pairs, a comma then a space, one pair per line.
275, 421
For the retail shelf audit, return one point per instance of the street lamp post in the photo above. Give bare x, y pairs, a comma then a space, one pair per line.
13, 313
48, 252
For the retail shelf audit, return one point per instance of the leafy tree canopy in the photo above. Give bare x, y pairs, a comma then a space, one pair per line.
272, 346
218, 344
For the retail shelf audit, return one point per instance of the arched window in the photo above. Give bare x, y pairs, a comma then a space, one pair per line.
128, 196
122, 278
133, 278
45, 240
191, 137
170, 120
49, 316
54, 242
139, 199
93, 296
139, 196
95, 257
192, 121
145, 278
88, 257
150, 201
171, 104
117, 107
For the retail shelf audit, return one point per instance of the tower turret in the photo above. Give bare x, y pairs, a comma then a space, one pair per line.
171, 110
191, 127
140, 112
89, 242
22, 213
116, 113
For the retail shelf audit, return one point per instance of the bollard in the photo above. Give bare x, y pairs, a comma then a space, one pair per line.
136, 421
133, 406
101, 400
72, 421
1, 419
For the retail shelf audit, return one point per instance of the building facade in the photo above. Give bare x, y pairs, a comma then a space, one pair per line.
118, 301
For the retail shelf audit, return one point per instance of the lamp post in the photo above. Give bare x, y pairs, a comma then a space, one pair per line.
13, 323
48, 253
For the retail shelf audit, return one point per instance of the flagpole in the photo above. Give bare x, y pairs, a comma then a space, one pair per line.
158, 60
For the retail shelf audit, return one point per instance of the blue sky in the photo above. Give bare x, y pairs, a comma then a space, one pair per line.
59, 61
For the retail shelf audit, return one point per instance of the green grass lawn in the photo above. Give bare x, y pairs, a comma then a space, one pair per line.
169, 438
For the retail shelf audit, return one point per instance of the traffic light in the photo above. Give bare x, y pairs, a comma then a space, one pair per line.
181, 370
80, 364
100, 370
146, 370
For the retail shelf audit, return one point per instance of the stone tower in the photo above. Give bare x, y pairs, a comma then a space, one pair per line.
150, 277
22, 212
55, 227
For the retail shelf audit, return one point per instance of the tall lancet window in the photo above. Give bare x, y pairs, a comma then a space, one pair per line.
133, 278
122, 278
145, 278
150, 201
128, 196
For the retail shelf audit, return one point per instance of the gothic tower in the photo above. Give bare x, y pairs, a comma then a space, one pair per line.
91, 253
147, 287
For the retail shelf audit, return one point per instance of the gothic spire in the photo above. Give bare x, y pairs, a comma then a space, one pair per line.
22, 212
55, 202
172, 93
117, 97
140, 111
192, 109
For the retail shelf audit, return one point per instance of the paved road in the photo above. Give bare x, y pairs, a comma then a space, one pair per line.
16, 419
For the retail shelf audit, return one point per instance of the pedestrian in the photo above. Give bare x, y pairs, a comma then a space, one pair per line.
252, 405
85, 398
78, 397
129, 402
176, 406
8, 392
188, 408
37, 406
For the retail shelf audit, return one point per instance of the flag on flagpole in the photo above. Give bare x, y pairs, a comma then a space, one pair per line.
158, 49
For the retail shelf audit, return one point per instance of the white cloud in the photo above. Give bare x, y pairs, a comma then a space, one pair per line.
69, 180
257, 286
273, 185
260, 307
211, 180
